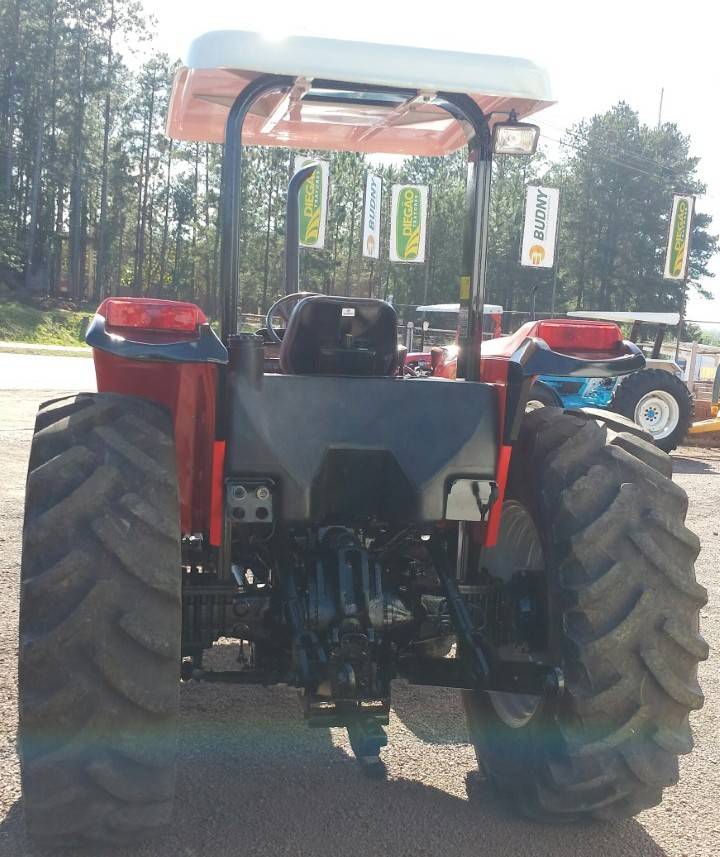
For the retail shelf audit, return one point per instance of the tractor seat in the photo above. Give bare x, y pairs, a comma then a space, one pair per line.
340, 336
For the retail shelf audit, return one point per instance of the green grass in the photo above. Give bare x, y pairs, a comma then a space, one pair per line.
24, 323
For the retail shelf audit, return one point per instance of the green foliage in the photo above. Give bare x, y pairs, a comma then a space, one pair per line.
95, 200
23, 323
710, 336
617, 180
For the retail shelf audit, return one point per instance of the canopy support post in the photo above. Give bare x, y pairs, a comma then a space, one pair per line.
473, 272
231, 197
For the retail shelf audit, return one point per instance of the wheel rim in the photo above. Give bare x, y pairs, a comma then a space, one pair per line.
518, 548
658, 413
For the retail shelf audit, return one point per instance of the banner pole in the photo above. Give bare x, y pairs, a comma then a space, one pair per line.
427, 247
556, 258
681, 323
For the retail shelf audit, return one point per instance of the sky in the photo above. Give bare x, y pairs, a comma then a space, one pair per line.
595, 53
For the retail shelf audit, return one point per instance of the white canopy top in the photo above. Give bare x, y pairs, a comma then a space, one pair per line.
455, 308
221, 64
670, 318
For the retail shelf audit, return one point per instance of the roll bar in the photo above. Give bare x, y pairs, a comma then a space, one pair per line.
474, 259
477, 202
292, 228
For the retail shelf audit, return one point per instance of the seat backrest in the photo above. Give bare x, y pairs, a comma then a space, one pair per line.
340, 336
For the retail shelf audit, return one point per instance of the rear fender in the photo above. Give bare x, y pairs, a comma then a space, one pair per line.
179, 370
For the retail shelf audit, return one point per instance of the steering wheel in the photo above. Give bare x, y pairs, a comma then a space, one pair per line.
283, 307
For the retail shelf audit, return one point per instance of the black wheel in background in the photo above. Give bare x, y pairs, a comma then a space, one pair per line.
542, 395
659, 402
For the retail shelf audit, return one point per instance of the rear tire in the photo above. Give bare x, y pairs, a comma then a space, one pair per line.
542, 395
659, 402
623, 612
99, 622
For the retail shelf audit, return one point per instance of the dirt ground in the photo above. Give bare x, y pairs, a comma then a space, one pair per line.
254, 780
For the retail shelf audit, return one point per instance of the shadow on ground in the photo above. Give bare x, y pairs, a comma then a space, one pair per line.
254, 780
700, 465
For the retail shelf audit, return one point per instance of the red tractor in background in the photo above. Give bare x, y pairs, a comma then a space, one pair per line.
272, 488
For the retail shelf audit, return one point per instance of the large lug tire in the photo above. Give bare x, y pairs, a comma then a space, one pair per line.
623, 608
99, 622
658, 402
542, 395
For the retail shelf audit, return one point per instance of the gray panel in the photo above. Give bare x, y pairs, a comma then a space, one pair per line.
331, 443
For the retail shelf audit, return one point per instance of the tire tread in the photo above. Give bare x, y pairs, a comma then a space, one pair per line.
623, 570
99, 623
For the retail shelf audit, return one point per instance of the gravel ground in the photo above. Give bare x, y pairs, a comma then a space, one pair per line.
254, 780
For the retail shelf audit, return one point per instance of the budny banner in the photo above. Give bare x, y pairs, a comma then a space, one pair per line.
540, 229
676, 257
371, 217
408, 224
313, 204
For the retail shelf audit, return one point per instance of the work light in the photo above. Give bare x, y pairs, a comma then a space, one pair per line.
515, 138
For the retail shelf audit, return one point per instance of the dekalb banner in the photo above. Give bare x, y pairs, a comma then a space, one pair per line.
676, 258
313, 204
371, 217
540, 229
408, 223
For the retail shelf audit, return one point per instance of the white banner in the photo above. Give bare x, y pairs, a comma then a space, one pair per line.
540, 229
408, 223
371, 217
678, 249
313, 203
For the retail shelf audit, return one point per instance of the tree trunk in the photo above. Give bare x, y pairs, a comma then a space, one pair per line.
370, 278
121, 248
38, 161
166, 218
100, 270
268, 220
6, 124
151, 216
144, 183
57, 239
334, 258
193, 260
351, 240
35, 197
55, 191
178, 244
138, 218
77, 236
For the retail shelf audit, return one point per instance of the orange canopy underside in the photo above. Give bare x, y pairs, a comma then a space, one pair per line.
201, 100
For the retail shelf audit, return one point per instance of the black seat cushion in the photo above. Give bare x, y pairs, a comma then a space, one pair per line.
340, 336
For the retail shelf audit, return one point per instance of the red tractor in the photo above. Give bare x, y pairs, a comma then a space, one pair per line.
272, 488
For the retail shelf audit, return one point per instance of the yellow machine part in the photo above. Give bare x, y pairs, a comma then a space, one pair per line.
705, 426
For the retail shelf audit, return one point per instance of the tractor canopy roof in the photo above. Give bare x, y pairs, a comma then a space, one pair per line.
313, 115
455, 308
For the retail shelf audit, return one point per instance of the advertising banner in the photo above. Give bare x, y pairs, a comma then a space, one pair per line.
678, 249
313, 204
371, 217
540, 227
408, 223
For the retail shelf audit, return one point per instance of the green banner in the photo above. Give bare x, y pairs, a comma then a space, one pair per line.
311, 209
679, 237
312, 203
677, 242
408, 225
